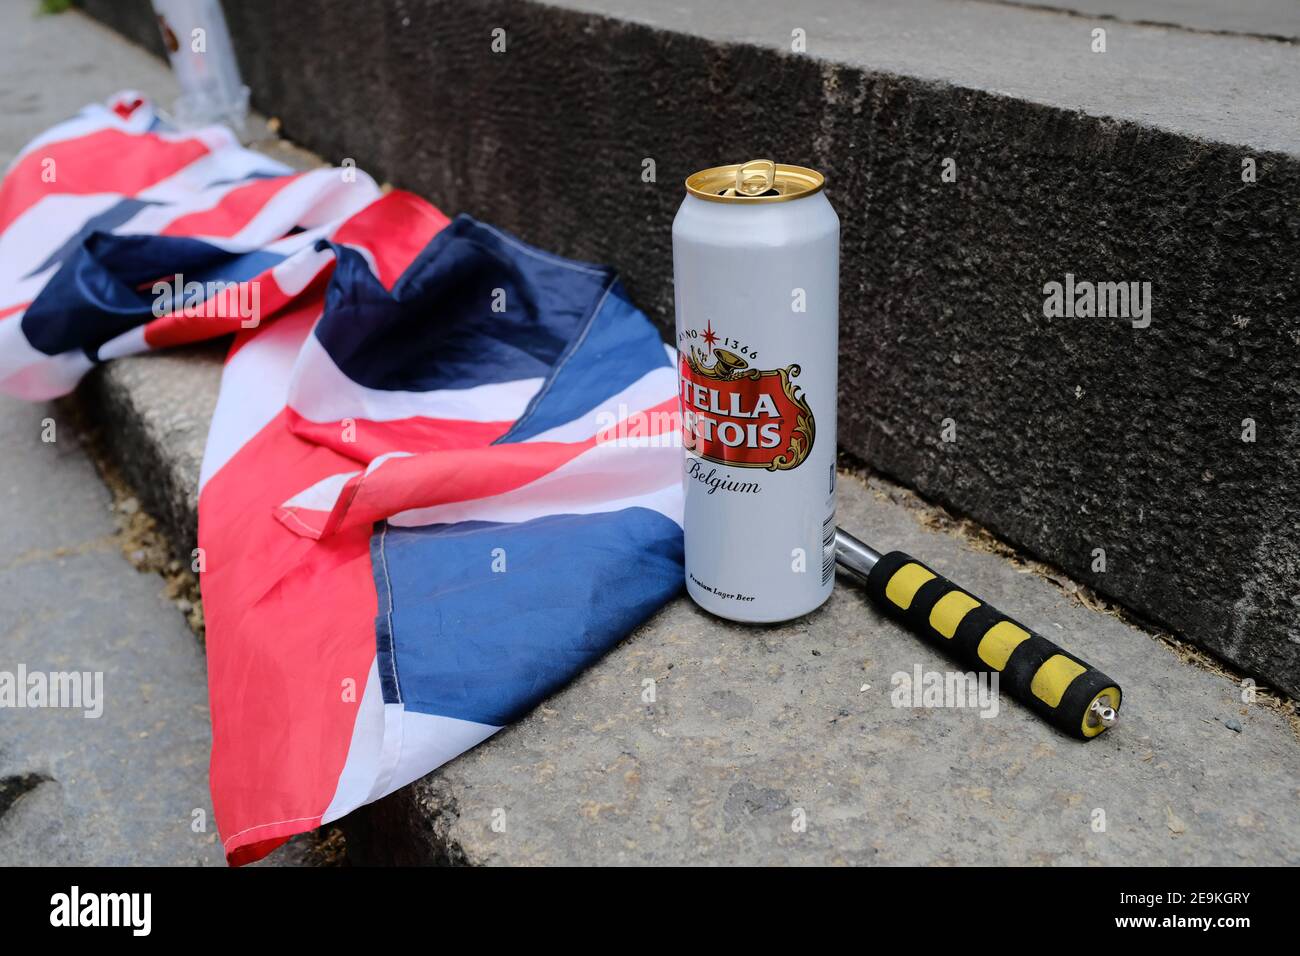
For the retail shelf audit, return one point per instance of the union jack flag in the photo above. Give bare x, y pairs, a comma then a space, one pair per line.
443, 469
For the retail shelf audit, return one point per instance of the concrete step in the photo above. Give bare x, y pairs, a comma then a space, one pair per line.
749, 725
1076, 438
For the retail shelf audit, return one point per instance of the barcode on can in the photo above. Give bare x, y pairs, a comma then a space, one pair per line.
828, 547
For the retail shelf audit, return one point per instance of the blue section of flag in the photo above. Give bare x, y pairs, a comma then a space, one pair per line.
617, 348
104, 288
481, 620
460, 637
108, 220
475, 307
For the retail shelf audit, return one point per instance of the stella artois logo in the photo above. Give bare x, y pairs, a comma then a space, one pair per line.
736, 414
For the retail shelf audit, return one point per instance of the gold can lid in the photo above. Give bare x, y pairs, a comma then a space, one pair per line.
759, 180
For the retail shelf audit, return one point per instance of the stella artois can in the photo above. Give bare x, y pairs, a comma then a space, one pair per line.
756, 258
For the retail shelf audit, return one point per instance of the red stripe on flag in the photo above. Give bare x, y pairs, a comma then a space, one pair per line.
364, 440
422, 481
292, 640
273, 304
109, 161
442, 477
235, 210
124, 108
395, 229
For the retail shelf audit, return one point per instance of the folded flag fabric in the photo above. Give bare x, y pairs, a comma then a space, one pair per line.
442, 477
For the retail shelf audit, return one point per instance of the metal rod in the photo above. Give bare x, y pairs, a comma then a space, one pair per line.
1101, 713
855, 555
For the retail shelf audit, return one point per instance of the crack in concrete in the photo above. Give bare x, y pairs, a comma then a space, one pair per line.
1140, 22
38, 555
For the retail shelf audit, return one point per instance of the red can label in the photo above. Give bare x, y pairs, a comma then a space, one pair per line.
739, 415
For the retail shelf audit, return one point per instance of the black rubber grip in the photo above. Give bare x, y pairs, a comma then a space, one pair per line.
1051, 681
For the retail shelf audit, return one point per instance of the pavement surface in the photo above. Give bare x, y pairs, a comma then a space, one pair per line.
695, 741
125, 787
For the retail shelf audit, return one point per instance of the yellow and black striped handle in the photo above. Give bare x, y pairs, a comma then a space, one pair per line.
1051, 681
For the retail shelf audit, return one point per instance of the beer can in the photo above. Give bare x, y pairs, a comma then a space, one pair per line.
756, 276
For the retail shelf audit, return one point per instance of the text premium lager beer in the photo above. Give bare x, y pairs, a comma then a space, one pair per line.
756, 256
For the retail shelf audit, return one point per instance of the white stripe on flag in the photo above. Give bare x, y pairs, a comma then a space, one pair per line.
191, 187
651, 389
30, 240
315, 199
303, 264
130, 342
322, 392
26, 372
392, 746
254, 385
642, 478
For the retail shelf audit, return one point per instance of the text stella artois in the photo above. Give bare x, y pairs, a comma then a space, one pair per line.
756, 276
740, 416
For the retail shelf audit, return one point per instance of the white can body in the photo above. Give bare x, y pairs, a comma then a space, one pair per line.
757, 301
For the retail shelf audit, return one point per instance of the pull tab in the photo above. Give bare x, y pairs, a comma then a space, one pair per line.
755, 177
